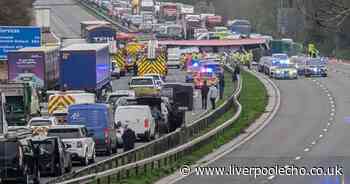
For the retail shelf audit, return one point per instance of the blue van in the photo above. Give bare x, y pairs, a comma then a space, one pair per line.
98, 119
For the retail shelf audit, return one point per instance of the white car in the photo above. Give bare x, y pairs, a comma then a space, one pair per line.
159, 79
79, 143
143, 82
138, 118
113, 97
39, 125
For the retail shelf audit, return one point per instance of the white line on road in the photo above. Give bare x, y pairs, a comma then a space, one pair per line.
313, 142
332, 114
328, 124
307, 149
298, 158
325, 130
321, 135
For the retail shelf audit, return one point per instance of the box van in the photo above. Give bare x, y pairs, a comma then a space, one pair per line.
138, 118
98, 119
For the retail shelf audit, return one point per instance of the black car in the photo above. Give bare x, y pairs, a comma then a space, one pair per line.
54, 158
17, 161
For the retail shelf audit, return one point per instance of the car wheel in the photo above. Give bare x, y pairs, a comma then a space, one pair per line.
93, 157
70, 165
85, 160
109, 150
147, 136
59, 170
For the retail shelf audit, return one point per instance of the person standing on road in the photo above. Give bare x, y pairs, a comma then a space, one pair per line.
213, 94
222, 85
129, 139
204, 93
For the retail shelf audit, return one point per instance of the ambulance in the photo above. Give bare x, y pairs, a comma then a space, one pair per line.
60, 101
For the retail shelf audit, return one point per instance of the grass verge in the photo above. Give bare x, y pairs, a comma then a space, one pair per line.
253, 99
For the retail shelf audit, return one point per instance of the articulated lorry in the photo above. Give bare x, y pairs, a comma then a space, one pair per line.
22, 102
86, 67
37, 66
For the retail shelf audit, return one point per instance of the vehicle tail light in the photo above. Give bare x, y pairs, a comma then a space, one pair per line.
106, 132
146, 123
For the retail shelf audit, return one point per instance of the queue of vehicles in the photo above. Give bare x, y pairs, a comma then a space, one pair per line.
172, 20
281, 66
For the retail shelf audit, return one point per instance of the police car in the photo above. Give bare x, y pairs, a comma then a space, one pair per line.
315, 67
192, 67
285, 71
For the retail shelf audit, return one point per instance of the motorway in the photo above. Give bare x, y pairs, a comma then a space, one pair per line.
65, 23
310, 129
66, 16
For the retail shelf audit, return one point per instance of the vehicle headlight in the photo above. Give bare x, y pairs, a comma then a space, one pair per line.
79, 144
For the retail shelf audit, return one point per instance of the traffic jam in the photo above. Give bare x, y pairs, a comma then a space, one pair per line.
282, 66
63, 107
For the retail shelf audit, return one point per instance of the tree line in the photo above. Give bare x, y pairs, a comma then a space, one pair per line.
15, 12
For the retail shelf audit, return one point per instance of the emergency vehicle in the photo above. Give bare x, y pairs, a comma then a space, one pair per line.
153, 60
60, 101
210, 72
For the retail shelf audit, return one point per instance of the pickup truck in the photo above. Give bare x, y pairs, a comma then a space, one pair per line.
77, 140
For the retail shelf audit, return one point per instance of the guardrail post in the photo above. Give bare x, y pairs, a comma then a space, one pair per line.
108, 179
137, 170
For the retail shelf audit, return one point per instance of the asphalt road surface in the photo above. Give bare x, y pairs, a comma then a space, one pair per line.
310, 130
66, 16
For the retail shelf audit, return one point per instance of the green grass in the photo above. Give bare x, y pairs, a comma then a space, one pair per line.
253, 99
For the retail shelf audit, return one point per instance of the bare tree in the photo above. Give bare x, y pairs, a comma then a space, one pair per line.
15, 12
329, 14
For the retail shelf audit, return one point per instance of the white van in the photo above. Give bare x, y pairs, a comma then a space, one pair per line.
138, 118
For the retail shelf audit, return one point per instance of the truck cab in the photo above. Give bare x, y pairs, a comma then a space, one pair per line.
22, 102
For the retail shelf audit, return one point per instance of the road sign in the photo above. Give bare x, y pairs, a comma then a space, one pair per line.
17, 37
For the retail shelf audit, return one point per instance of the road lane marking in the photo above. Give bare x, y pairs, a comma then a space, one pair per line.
332, 114
298, 158
325, 130
321, 135
313, 142
306, 149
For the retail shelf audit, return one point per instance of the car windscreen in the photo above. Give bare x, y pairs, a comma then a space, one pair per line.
8, 149
114, 98
156, 77
281, 56
65, 133
140, 82
46, 146
315, 62
40, 123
